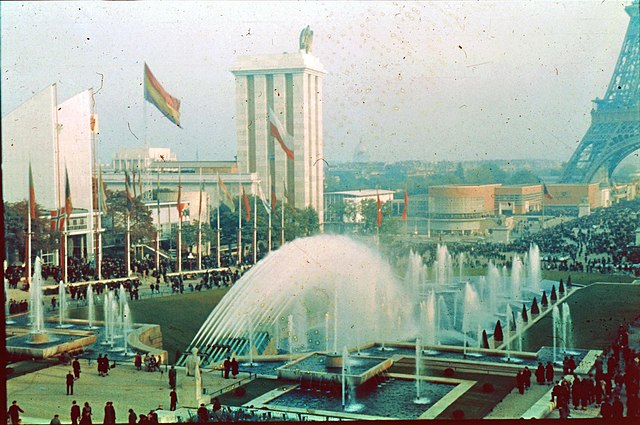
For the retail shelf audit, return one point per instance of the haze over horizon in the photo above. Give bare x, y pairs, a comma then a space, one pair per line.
438, 80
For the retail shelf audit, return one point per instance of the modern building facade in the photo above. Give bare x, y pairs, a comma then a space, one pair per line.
518, 199
290, 85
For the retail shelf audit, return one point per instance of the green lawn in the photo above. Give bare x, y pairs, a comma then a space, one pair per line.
596, 312
179, 316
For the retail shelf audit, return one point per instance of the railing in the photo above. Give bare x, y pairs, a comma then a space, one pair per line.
235, 385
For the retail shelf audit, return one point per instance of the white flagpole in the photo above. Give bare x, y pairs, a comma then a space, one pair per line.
27, 261
128, 244
282, 224
218, 228
158, 224
179, 249
200, 226
239, 229
255, 229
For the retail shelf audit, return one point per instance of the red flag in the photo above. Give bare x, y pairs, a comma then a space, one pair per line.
277, 131
546, 192
273, 198
68, 205
32, 195
247, 207
379, 209
180, 206
200, 203
406, 204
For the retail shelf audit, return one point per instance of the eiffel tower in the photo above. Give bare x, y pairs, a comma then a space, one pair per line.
615, 120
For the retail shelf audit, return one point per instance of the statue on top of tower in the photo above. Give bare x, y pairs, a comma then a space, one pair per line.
306, 39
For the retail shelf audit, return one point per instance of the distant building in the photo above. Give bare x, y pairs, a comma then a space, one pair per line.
289, 84
354, 197
461, 209
518, 199
140, 158
582, 197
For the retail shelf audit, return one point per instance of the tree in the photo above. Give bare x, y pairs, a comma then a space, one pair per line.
15, 231
369, 213
141, 223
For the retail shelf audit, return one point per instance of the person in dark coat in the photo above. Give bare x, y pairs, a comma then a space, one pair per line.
76, 368
14, 412
617, 408
548, 373
571, 364
540, 374
70, 380
520, 382
173, 376
132, 417
203, 414
86, 414
526, 374
137, 362
105, 362
234, 367
576, 394
605, 409
565, 365
227, 368
173, 399
75, 413
109, 413
100, 365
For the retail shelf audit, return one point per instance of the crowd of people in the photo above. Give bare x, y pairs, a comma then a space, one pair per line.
602, 242
612, 385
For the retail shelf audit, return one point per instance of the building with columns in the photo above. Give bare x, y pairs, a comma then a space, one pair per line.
290, 84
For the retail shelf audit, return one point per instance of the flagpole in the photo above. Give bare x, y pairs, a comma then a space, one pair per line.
239, 230
66, 249
99, 227
200, 226
179, 250
218, 227
158, 224
179, 247
269, 231
28, 250
282, 225
128, 244
255, 229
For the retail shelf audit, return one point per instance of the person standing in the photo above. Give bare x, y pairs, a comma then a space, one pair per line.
227, 367
14, 412
234, 367
75, 413
540, 374
203, 414
173, 375
109, 413
132, 417
86, 414
76, 368
70, 380
173, 399
55, 420
526, 374
548, 373
520, 382
138, 361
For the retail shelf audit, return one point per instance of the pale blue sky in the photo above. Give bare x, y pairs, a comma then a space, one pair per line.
416, 80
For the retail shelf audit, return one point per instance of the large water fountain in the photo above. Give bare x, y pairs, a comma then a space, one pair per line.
290, 294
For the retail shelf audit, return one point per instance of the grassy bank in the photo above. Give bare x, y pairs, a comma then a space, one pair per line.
596, 312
